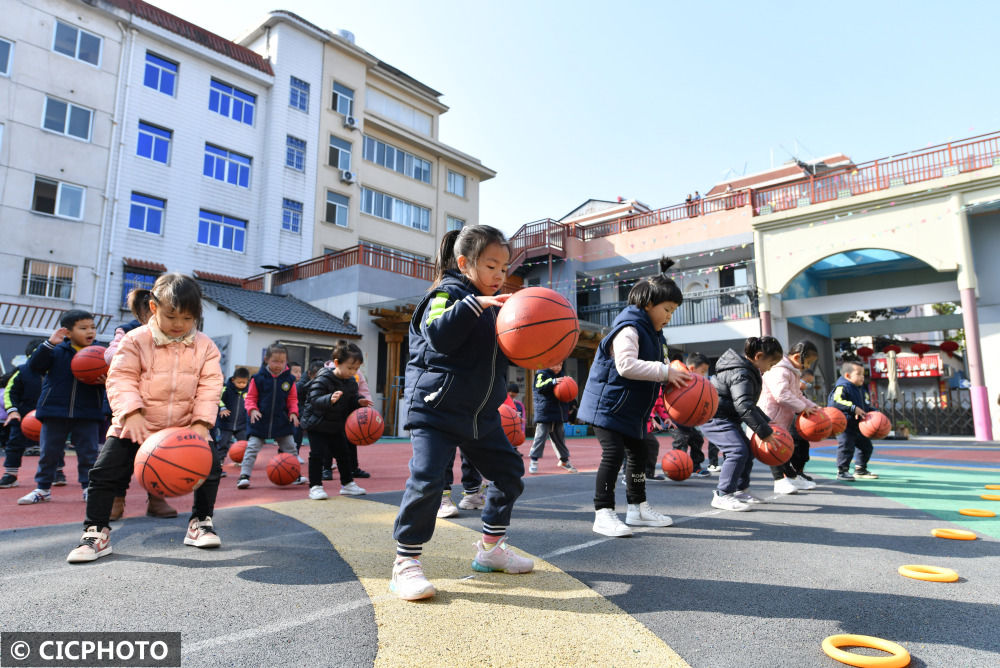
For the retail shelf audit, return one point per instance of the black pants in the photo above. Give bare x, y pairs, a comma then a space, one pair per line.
847, 442
690, 440
352, 461
471, 479
226, 437
652, 452
796, 465
323, 448
615, 447
111, 475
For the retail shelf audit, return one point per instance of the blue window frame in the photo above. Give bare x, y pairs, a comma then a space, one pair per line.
154, 142
299, 95
161, 74
291, 215
147, 213
135, 279
221, 231
223, 165
295, 153
232, 102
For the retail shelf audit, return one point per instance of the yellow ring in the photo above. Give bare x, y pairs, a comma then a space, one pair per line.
954, 534
899, 656
976, 512
992, 486
928, 573
990, 497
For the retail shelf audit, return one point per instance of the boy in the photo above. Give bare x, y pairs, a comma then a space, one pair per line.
512, 391
689, 438
232, 420
850, 397
67, 407
19, 398
550, 414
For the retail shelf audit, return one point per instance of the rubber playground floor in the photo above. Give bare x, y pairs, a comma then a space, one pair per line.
301, 582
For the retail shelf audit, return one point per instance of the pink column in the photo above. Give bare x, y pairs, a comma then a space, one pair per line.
974, 357
765, 323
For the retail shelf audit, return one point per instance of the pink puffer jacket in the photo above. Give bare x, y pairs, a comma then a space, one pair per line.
173, 383
781, 397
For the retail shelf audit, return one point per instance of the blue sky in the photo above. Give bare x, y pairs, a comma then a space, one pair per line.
653, 100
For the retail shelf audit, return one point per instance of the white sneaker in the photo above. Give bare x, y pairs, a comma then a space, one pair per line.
302, 480
745, 496
301, 461
352, 489
317, 493
729, 502
785, 486
408, 580
607, 523
714, 468
533, 466
93, 546
35, 496
472, 501
500, 558
643, 515
802, 483
448, 507
201, 533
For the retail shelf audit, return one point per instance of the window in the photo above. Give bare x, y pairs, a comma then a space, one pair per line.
336, 209
456, 183
219, 231
388, 250
1, 136
340, 153
154, 142
76, 43
67, 119
232, 102
398, 111
343, 100
47, 279
291, 215
223, 165
161, 74
298, 98
57, 199
295, 153
396, 159
399, 211
6, 50
146, 213
455, 223
135, 278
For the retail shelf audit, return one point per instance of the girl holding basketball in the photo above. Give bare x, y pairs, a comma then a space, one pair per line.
738, 381
164, 374
621, 389
456, 379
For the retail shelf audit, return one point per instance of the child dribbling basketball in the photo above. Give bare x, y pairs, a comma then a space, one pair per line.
455, 382
164, 374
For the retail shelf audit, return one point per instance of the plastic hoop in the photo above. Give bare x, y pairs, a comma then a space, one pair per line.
976, 512
953, 534
990, 497
899, 656
928, 573
992, 486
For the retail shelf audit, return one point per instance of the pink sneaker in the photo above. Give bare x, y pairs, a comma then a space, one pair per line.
500, 558
409, 582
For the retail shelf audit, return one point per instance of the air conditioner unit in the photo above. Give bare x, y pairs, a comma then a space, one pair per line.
351, 123
348, 176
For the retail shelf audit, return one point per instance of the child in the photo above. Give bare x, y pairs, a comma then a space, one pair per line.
689, 438
738, 381
164, 374
658, 421
273, 406
333, 395
473, 497
781, 399
513, 389
850, 397
620, 393
300, 393
455, 382
20, 396
66, 406
550, 415
232, 420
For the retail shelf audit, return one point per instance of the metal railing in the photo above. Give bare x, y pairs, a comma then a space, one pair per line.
698, 308
692, 209
41, 318
356, 255
939, 414
545, 236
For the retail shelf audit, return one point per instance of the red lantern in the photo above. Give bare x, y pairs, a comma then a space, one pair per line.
892, 348
865, 352
920, 348
949, 347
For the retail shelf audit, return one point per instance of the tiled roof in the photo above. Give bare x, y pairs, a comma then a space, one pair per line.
218, 278
264, 308
144, 264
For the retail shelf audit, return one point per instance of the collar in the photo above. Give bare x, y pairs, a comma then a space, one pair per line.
161, 339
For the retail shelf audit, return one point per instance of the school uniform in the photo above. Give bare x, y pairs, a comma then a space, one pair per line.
21, 395
550, 415
276, 399
846, 396
235, 425
324, 422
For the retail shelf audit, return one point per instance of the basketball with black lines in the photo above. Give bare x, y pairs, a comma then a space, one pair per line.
691, 405
537, 328
510, 421
677, 465
173, 462
283, 469
88, 365
776, 453
364, 426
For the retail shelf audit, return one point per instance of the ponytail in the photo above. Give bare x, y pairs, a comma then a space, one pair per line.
768, 345
138, 303
804, 348
656, 289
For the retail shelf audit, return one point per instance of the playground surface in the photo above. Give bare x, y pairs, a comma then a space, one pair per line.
301, 582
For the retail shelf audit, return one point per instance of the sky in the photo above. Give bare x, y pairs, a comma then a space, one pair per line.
569, 101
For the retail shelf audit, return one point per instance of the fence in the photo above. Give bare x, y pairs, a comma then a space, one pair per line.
41, 318
698, 308
947, 414
364, 255
691, 209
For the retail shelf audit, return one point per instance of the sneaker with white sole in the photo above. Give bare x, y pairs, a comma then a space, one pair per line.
301, 480
802, 483
643, 515
301, 461
243, 482
533, 466
729, 502
316, 493
745, 496
566, 466
8, 480
714, 468
35, 496
785, 486
472, 501
864, 474
201, 533
85, 493
60, 479
408, 580
93, 545
448, 507
500, 559
352, 489
607, 523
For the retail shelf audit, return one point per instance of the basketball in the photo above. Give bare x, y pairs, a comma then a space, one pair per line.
771, 455
537, 328
237, 450
691, 405
814, 427
31, 427
837, 419
510, 421
173, 462
566, 389
518, 438
283, 469
364, 426
677, 465
875, 425
88, 365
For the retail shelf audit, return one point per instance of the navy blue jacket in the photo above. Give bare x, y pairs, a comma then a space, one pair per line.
547, 407
272, 402
63, 396
612, 401
232, 400
846, 396
22, 391
318, 413
456, 377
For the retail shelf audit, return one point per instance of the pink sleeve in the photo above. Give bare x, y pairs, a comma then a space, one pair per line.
785, 388
123, 380
113, 346
292, 402
363, 387
251, 399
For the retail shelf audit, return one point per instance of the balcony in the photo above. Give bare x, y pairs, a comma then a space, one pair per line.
29, 319
363, 255
542, 237
699, 308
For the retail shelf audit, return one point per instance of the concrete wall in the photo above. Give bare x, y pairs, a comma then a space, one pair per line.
985, 232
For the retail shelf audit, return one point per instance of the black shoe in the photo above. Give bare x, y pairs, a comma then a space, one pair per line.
358, 473
327, 474
243, 482
845, 476
655, 478
60, 479
805, 477
864, 474
8, 480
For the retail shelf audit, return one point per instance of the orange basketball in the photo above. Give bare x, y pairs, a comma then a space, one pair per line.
237, 450
518, 438
88, 365
510, 421
814, 427
875, 425
31, 427
537, 328
364, 426
173, 462
691, 405
566, 389
771, 455
283, 469
677, 465
837, 419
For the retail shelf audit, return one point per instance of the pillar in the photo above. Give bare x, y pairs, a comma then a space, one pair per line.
763, 293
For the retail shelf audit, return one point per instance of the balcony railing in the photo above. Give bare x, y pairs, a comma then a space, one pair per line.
693, 209
541, 237
356, 255
41, 318
698, 308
